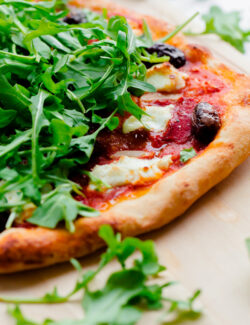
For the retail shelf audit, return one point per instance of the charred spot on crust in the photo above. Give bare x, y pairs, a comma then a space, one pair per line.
75, 17
205, 122
177, 57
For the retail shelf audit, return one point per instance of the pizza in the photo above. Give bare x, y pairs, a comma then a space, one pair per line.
108, 117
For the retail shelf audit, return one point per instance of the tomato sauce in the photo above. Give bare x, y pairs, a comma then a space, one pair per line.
202, 85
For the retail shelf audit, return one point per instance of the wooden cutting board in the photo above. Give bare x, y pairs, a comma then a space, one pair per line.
202, 249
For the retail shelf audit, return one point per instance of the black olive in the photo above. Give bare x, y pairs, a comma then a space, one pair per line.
177, 57
3, 219
75, 17
205, 122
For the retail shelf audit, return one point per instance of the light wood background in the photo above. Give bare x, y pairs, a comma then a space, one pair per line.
203, 249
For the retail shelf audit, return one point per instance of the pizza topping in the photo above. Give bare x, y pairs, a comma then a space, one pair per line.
75, 17
187, 154
66, 89
156, 120
62, 85
177, 57
164, 77
205, 122
132, 153
130, 170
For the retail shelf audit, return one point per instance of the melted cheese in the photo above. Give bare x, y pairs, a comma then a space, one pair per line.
158, 119
13, 196
164, 77
130, 170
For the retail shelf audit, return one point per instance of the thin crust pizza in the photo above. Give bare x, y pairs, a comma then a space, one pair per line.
107, 117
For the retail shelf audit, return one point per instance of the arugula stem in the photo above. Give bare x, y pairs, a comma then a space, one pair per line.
9, 186
177, 30
155, 60
15, 143
47, 149
99, 83
8, 206
11, 219
59, 179
23, 58
37, 112
81, 105
42, 300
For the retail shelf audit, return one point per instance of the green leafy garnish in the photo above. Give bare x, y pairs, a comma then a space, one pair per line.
60, 86
187, 154
6, 117
227, 26
126, 294
178, 28
96, 183
59, 206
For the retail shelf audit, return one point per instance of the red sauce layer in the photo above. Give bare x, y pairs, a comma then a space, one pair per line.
202, 85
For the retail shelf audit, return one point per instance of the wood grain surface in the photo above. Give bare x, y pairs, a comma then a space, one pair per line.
202, 249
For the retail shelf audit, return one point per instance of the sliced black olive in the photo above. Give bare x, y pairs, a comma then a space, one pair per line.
3, 220
205, 122
76, 17
177, 57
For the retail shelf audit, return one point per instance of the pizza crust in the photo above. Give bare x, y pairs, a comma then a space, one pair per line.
23, 248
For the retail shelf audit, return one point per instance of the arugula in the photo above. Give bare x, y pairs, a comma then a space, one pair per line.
38, 122
187, 154
59, 206
6, 117
179, 28
126, 290
96, 183
227, 26
60, 86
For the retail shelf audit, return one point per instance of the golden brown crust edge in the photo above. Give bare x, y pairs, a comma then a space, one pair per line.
22, 249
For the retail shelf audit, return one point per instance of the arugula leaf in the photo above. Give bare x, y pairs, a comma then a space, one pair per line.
123, 249
227, 26
60, 206
113, 123
146, 39
141, 85
53, 87
6, 117
18, 316
126, 290
62, 134
187, 154
38, 122
125, 103
119, 290
11, 96
96, 183
182, 311
44, 28
58, 84
18, 139
8, 174
16, 183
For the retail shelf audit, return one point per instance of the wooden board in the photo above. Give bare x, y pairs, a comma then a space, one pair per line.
202, 249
